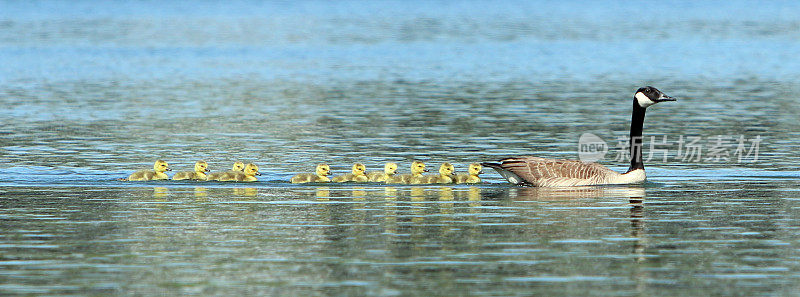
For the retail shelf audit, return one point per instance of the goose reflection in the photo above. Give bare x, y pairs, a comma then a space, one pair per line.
637, 227
571, 193
634, 195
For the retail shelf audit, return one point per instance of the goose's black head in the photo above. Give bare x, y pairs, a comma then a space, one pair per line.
648, 95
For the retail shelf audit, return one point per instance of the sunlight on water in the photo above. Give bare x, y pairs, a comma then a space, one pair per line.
94, 91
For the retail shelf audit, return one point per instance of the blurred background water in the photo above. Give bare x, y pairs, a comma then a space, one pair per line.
93, 91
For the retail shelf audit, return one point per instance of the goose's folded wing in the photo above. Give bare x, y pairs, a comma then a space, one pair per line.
547, 172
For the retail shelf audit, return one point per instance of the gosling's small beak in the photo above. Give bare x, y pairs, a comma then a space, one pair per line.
258, 173
480, 172
169, 169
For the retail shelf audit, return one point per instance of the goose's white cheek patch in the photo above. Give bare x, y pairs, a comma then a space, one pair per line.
643, 100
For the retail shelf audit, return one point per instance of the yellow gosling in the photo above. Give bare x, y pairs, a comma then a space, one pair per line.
320, 176
475, 169
237, 166
156, 174
417, 168
248, 175
356, 175
389, 170
199, 173
445, 176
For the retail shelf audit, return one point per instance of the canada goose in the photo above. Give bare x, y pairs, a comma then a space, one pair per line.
199, 173
248, 175
156, 174
417, 168
541, 172
475, 169
356, 175
237, 166
389, 170
445, 176
321, 175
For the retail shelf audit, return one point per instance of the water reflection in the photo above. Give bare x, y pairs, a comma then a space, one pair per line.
390, 211
200, 194
245, 192
359, 194
390, 193
160, 193
524, 236
571, 193
637, 227
635, 196
322, 194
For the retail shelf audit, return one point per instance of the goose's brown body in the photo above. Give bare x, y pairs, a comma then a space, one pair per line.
542, 172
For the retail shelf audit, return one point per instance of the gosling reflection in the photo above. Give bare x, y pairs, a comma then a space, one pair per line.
390, 211
418, 208
474, 197
160, 193
446, 198
200, 194
446, 205
390, 193
417, 194
359, 194
474, 194
323, 194
446, 194
245, 192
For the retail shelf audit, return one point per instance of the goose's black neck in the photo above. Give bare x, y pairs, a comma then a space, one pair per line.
637, 121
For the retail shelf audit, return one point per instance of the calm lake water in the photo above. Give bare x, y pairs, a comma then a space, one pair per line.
91, 92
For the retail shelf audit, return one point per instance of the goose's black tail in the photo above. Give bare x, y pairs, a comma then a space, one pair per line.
508, 175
